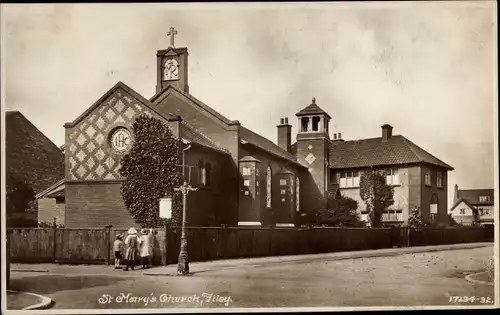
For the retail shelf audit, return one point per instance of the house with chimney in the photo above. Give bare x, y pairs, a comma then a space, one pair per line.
473, 206
243, 178
419, 178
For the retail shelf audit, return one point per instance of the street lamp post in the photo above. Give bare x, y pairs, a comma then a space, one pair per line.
183, 261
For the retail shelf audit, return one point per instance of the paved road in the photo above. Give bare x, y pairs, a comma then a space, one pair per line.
406, 280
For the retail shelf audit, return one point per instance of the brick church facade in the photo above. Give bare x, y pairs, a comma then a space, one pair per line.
242, 177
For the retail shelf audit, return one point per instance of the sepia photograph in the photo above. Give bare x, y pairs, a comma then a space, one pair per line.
249, 157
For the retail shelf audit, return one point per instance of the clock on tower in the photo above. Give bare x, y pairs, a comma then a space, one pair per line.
171, 70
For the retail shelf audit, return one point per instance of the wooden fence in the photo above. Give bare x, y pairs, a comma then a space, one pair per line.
78, 246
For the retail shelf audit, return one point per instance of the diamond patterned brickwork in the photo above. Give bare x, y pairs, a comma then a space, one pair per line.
89, 155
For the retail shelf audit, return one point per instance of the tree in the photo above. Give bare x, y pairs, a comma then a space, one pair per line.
415, 218
151, 171
340, 212
476, 217
19, 197
376, 194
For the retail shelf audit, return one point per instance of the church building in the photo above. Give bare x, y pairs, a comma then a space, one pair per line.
243, 179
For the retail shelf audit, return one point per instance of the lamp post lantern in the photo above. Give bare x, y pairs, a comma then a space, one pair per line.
183, 261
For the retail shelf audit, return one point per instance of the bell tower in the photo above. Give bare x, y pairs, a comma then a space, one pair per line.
313, 150
172, 66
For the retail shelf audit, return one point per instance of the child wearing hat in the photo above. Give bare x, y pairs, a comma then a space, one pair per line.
118, 248
131, 254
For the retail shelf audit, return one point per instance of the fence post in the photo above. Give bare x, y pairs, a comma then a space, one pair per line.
164, 255
408, 236
108, 239
224, 236
54, 247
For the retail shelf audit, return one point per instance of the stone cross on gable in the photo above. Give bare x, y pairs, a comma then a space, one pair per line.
172, 34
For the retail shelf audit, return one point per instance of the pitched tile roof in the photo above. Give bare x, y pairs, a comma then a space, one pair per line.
267, 145
245, 134
312, 110
397, 150
30, 156
50, 189
472, 196
459, 202
157, 97
191, 134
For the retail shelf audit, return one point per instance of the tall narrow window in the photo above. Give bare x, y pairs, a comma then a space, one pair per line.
268, 187
202, 173
304, 124
427, 178
439, 180
208, 173
297, 198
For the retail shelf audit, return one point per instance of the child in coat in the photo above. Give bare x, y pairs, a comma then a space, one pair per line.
145, 249
132, 243
118, 249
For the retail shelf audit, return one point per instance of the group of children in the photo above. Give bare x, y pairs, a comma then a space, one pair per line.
135, 247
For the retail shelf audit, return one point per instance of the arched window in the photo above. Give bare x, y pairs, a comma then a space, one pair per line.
208, 173
434, 208
297, 197
268, 186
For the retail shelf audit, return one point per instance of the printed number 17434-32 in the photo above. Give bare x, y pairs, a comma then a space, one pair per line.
470, 299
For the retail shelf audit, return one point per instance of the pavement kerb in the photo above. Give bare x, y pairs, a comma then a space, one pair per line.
215, 265
469, 278
45, 301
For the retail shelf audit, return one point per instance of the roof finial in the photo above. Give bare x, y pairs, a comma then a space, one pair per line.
314, 100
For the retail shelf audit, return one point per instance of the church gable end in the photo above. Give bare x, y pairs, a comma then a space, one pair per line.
90, 155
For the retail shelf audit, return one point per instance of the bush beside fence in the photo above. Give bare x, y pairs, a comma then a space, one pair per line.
66, 245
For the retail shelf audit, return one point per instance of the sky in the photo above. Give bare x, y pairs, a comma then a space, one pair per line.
427, 69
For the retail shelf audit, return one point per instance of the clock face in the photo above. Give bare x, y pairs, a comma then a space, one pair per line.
171, 70
120, 140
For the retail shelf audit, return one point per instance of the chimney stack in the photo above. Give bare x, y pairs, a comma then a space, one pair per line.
337, 137
285, 135
386, 132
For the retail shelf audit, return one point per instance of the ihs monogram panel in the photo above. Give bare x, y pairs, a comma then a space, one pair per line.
97, 144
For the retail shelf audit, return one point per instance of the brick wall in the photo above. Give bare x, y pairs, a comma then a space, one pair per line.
314, 184
96, 204
226, 136
415, 186
276, 165
440, 192
209, 205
